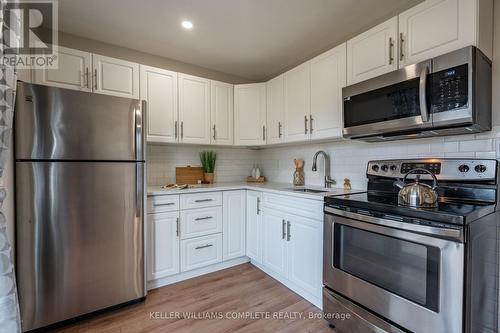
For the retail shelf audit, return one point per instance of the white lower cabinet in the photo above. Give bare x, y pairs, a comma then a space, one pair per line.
201, 251
274, 239
163, 236
293, 250
234, 203
254, 226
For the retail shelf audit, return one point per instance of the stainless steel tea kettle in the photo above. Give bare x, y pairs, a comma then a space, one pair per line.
417, 194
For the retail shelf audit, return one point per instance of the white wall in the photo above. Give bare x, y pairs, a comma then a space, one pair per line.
349, 158
233, 164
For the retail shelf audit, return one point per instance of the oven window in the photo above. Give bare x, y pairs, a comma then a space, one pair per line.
396, 101
407, 269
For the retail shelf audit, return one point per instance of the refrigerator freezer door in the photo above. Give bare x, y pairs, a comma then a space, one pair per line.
79, 238
62, 124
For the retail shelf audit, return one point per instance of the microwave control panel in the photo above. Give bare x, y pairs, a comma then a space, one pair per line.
449, 89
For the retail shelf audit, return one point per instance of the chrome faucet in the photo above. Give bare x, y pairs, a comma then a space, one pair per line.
328, 180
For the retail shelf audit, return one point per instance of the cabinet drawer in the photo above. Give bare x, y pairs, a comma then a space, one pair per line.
312, 209
163, 203
201, 251
201, 222
201, 200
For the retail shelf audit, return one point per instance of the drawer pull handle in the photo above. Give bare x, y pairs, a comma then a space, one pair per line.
203, 218
204, 200
203, 246
164, 204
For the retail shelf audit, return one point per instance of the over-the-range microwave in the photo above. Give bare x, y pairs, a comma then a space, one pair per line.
446, 95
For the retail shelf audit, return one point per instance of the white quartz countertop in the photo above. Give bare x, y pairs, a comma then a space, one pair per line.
278, 188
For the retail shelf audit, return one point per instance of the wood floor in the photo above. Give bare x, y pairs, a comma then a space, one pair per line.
242, 289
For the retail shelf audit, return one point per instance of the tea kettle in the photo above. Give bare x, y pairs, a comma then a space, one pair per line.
417, 194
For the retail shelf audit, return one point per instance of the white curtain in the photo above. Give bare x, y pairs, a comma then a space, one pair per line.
9, 305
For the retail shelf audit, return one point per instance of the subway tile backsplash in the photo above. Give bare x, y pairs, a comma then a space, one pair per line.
233, 164
348, 158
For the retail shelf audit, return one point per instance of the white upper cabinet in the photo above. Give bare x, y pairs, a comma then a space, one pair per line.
275, 109
74, 71
436, 27
328, 77
194, 109
297, 103
222, 113
373, 52
250, 114
159, 90
115, 77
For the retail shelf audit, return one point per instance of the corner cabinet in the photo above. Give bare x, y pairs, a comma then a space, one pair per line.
250, 114
275, 95
221, 113
328, 77
254, 226
194, 109
436, 27
115, 77
373, 53
233, 231
159, 89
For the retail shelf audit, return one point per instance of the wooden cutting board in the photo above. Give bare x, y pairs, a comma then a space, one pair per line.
188, 175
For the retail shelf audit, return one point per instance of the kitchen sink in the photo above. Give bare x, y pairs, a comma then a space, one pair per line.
308, 190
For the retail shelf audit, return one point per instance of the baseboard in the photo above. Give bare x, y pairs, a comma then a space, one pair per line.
315, 300
161, 282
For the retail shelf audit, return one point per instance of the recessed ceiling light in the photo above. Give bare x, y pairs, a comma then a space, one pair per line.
187, 25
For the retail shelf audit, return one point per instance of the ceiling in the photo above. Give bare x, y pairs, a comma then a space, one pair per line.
252, 39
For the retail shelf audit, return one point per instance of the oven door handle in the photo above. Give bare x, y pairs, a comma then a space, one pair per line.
447, 233
424, 112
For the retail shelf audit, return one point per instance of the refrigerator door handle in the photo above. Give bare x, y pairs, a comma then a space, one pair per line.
139, 188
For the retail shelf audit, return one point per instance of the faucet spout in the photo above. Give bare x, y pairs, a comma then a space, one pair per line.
328, 180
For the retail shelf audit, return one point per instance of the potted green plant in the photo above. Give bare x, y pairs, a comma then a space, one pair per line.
208, 159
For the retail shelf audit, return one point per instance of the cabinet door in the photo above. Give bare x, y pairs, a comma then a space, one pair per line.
297, 103
221, 112
328, 77
254, 225
250, 114
372, 53
233, 234
159, 90
275, 245
305, 253
74, 71
275, 109
436, 27
163, 256
115, 77
194, 109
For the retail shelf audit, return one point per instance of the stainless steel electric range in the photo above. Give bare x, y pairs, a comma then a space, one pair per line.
395, 268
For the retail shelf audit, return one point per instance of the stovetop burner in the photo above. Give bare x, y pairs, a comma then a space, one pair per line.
447, 211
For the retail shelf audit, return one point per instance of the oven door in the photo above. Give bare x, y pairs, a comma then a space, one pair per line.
412, 280
389, 103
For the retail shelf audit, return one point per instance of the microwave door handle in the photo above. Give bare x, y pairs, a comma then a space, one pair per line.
423, 94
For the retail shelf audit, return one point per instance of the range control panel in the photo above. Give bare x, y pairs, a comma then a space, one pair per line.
444, 169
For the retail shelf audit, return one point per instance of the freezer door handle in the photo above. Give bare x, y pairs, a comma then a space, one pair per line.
139, 188
139, 131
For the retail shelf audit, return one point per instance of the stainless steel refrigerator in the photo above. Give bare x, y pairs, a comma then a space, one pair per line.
79, 202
